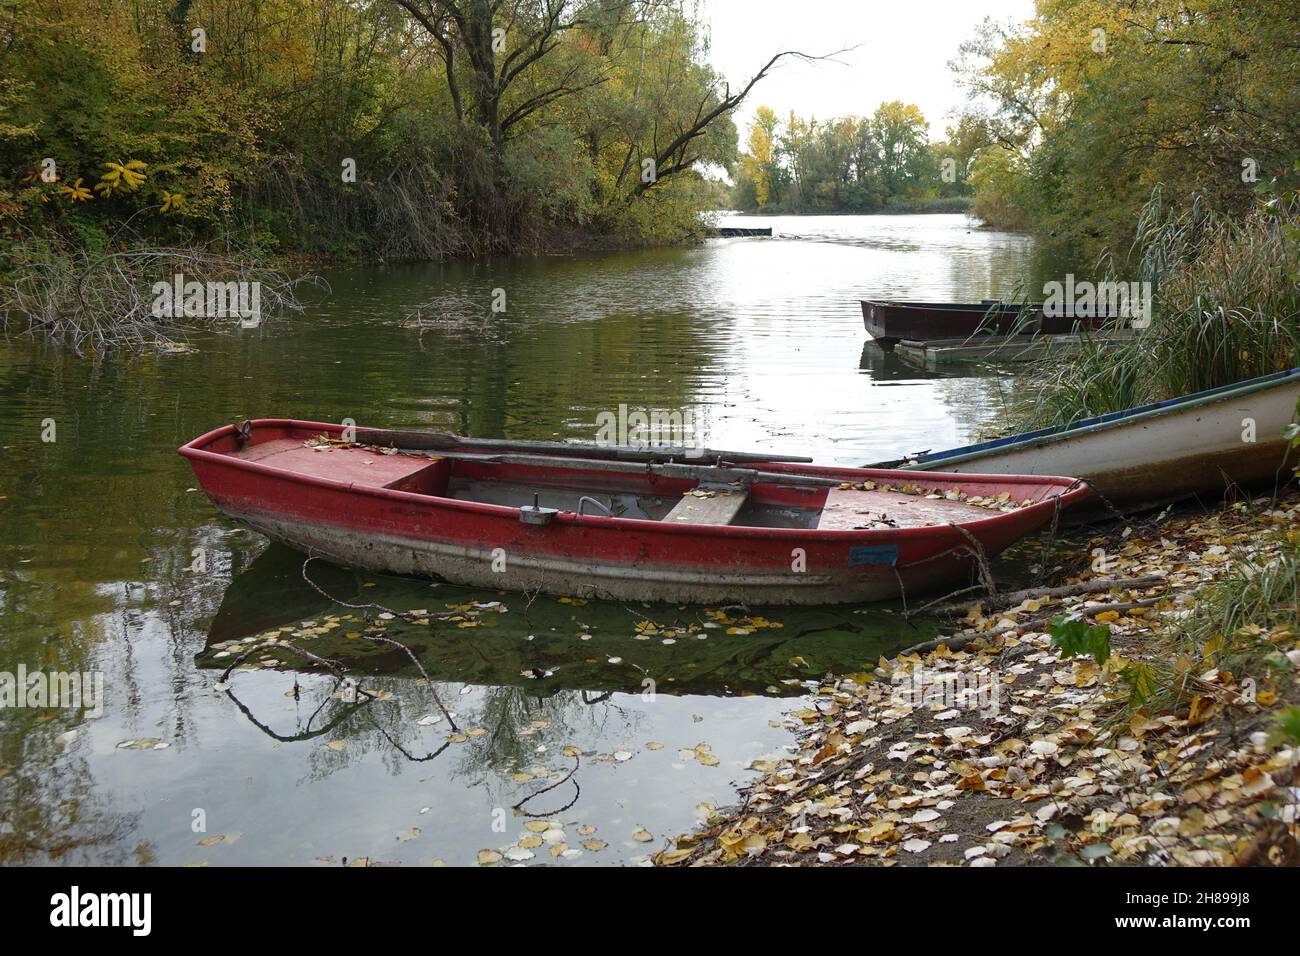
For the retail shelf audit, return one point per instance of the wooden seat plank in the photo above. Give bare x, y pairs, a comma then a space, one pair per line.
719, 508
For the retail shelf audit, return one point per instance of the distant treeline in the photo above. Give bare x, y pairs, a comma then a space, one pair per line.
882, 162
1075, 117
403, 129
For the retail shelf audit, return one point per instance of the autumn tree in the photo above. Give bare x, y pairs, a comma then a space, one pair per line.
758, 163
900, 132
1099, 102
401, 129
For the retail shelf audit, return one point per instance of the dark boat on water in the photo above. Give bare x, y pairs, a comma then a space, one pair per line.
889, 322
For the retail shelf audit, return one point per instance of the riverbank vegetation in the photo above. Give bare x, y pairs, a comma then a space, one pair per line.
391, 129
1225, 308
884, 162
1090, 105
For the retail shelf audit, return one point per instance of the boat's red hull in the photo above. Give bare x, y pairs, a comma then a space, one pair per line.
487, 545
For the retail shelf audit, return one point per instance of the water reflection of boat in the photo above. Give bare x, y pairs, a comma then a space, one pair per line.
540, 647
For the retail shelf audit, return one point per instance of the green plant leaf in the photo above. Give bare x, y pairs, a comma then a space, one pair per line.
1286, 727
1140, 680
1076, 638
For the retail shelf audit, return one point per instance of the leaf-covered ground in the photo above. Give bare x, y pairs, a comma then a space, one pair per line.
1001, 752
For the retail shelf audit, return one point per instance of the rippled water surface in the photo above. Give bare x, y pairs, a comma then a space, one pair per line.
114, 564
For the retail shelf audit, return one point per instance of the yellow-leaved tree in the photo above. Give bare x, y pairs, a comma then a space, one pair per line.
758, 162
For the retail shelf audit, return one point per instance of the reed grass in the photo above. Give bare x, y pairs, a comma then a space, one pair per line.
1226, 307
1239, 625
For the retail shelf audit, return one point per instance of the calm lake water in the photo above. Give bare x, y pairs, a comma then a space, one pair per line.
114, 564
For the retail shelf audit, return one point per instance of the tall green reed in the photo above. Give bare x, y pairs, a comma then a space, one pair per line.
1226, 307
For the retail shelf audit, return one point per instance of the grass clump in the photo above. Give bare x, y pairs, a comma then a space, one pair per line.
1238, 626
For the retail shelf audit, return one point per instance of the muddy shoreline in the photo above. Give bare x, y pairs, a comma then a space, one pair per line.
1001, 752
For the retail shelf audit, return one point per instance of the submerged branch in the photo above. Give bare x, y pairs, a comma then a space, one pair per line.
138, 298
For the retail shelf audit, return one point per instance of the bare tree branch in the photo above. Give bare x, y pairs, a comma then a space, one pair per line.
672, 158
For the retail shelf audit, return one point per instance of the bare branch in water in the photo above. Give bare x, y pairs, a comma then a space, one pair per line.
457, 313
99, 301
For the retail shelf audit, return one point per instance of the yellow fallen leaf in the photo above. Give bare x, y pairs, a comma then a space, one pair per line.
670, 857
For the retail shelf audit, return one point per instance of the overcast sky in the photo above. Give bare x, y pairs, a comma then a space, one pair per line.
903, 52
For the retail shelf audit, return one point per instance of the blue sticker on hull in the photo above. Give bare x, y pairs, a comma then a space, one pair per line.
873, 554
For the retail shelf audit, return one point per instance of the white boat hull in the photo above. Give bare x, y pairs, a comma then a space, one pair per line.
1205, 449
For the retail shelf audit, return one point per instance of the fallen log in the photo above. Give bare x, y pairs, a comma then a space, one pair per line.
958, 641
1067, 590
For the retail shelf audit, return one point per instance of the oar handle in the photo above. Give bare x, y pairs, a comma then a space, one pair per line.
719, 474
428, 441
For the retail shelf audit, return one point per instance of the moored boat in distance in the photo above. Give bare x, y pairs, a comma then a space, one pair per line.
1198, 444
744, 232
615, 523
891, 321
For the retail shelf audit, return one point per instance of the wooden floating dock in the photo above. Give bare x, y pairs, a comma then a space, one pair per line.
997, 348
733, 232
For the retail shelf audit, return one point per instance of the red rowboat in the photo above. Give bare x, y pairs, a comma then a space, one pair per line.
891, 322
478, 513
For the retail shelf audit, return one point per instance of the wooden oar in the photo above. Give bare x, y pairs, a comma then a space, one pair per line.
431, 441
708, 473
